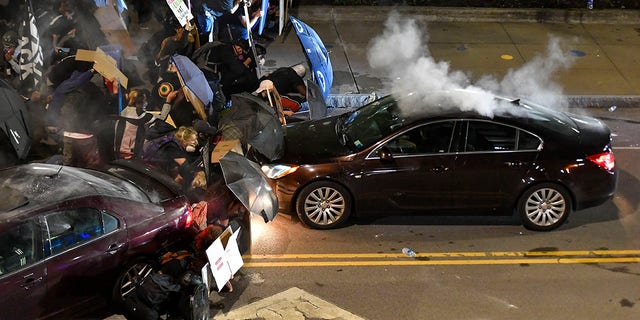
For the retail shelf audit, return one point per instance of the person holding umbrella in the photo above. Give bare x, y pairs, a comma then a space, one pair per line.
236, 25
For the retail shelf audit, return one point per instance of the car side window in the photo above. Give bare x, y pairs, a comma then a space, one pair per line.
73, 227
527, 141
426, 139
18, 247
489, 136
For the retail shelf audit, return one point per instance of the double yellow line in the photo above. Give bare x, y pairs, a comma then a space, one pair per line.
442, 258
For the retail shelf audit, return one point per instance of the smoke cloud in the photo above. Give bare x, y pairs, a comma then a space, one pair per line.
401, 53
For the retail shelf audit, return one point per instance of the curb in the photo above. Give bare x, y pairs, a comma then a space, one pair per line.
450, 14
575, 101
589, 101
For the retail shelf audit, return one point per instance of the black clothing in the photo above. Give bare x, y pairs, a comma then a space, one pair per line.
285, 80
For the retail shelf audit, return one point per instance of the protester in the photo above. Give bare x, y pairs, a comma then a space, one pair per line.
289, 83
130, 129
234, 26
78, 104
207, 14
63, 25
175, 153
238, 68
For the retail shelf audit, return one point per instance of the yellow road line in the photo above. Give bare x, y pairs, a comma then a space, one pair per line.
443, 258
418, 262
444, 254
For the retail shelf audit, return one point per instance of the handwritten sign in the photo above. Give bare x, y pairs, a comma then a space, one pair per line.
180, 10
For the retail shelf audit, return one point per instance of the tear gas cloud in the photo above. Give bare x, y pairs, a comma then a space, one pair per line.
400, 52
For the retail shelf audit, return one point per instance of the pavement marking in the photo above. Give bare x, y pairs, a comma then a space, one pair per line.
506, 57
444, 258
626, 148
293, 303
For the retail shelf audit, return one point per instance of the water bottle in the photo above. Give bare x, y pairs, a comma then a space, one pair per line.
409, 252
589, 4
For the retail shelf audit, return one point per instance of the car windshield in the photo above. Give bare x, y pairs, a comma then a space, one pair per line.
363, 127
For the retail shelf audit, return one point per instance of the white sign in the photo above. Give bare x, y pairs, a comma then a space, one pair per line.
224, 257
180, 10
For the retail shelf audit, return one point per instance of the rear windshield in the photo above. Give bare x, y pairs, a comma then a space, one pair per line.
548, 118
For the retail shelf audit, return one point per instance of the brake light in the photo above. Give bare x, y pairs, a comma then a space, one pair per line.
604, 160
189, 217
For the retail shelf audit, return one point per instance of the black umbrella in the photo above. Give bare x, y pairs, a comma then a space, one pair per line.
14, 119
254, 122
245, 179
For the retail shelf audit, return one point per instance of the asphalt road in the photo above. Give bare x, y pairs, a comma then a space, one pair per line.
467, 267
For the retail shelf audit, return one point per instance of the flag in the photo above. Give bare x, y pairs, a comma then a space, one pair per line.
30, 59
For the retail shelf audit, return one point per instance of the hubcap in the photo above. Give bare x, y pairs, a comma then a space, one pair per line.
134, 276
324, 206
545, 207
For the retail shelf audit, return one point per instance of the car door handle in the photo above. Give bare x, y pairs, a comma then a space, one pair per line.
29, 281
113, 248
439, 169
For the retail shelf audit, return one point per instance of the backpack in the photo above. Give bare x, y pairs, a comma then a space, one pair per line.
151, 147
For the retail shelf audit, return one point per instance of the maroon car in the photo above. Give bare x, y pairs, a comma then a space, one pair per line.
72, 239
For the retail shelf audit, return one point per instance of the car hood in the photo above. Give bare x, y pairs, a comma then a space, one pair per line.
312, 141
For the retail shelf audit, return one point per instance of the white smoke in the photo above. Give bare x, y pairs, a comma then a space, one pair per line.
401, 53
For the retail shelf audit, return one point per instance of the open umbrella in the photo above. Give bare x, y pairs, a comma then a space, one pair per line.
14, 119
254, 122
317, 55
245, 179
194, 84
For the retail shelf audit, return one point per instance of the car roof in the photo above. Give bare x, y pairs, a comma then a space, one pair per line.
36, 183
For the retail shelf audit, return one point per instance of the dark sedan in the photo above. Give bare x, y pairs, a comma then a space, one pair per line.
72, 239
527, 159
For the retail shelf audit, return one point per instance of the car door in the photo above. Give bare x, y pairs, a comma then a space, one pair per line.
23, 273
86, 247
493, 160
410, 172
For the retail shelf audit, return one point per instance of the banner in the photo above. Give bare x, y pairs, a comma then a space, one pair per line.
30, 59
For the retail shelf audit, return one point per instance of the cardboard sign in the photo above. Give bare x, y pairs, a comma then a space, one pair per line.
223, 147
114, 28
180, 10
224, 257
104, 64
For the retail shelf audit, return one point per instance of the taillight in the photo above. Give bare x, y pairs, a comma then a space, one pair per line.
604, 160
189, 217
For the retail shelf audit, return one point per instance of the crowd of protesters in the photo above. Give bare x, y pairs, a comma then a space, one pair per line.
79, 118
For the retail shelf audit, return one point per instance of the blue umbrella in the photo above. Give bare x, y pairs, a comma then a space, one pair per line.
194, 84
317, 55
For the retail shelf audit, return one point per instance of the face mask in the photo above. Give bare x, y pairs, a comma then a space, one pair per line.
190, 148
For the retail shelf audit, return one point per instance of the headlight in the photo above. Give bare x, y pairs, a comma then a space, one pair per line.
277, 171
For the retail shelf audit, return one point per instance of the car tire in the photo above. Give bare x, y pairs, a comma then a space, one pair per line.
544, 207
131, 277
324, 205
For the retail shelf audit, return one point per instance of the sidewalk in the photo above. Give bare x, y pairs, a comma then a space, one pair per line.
480, 42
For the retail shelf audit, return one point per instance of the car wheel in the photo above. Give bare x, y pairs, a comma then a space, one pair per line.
131, 278
324, 205
544, 207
